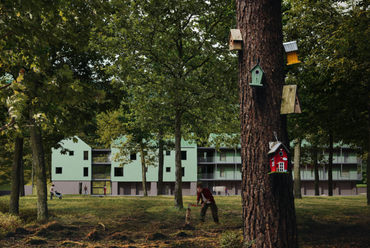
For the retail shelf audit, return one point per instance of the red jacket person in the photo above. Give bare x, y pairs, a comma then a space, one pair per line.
206, 198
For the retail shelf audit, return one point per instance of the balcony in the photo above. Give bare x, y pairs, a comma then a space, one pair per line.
226, 176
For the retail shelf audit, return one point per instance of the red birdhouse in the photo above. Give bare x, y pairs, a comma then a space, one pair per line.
278, 157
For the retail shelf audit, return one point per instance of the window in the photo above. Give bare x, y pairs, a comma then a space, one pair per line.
86, 155
118, 171
183, 155
71, 153
58, 170
101, 171
168, 169
222, 172
86, 171
345, 171
281, 166
183, 171
168, 153
133, 156
223, 156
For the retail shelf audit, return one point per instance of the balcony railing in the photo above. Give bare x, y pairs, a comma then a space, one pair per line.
220, 160
225, 176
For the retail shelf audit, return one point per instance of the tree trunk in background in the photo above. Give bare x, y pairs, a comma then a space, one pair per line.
330, 166
143, 171
39, 162
160, 163
368, 156
267, 199
316, 165
178, 173
16, 171
297, 169
21, 183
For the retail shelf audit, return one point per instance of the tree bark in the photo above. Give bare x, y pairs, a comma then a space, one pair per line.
330, 166
267, 199
368, 156
316, 165
143, 171
178, 173
160, 163
16, 171
39, 162
297, 169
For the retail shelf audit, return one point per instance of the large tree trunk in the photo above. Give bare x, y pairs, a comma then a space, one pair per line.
160, 163
297, 169
268, 201
39, 162
368, 157
330, 166
16, 171
143, 171
316, 165
178, 173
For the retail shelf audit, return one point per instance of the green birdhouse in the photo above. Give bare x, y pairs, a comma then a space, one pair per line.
257, 76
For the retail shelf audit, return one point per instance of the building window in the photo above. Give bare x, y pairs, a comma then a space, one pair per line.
168, 169
86, 171
71, 153
168, 153
223, 156
183, 155
222, 172
118, 171
101, 171
183, 171
58, 170
133, 156
345, 171
86, 155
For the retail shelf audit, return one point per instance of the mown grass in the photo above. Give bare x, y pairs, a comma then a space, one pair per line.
129, 221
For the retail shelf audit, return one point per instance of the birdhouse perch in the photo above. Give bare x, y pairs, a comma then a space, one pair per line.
291, 49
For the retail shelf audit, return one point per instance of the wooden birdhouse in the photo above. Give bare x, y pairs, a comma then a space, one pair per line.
291, 49
235, 40
257, 76
278, 157
290, 103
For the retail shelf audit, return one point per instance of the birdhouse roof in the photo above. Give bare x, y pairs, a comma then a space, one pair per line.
276, 147
235, 34
290, 46
256, 66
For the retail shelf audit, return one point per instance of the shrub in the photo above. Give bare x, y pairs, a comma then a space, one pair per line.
230, 239
4, 208
8, 223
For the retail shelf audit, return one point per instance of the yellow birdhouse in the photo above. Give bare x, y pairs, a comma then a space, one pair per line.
235, 40
290, 103
291, 49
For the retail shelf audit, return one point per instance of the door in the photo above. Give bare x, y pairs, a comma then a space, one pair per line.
80, 188
281, 166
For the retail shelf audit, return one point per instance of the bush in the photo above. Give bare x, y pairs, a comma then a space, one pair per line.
4, 208
8, 223
230, 239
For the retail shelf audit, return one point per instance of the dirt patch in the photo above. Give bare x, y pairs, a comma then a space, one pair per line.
155, 236
118, 236
94, 235
54, 226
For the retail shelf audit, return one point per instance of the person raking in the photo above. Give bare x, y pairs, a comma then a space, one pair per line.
207, 200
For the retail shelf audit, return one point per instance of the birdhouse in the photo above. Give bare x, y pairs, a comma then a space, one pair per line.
291, 49
278, 157
257, 76
290, 103
235, 40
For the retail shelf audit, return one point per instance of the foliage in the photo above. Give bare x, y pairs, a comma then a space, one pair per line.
8, 223
230, 239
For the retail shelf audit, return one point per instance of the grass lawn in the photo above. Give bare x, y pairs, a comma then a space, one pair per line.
128, 221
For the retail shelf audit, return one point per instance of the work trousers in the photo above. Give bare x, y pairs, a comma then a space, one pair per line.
203, 211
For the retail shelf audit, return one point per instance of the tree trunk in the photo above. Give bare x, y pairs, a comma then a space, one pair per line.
330, 166
160, 163
16, 171
143, 171
39, 162
267, 199
316, 165
368, 157
297, 169
178, 173
21, 182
